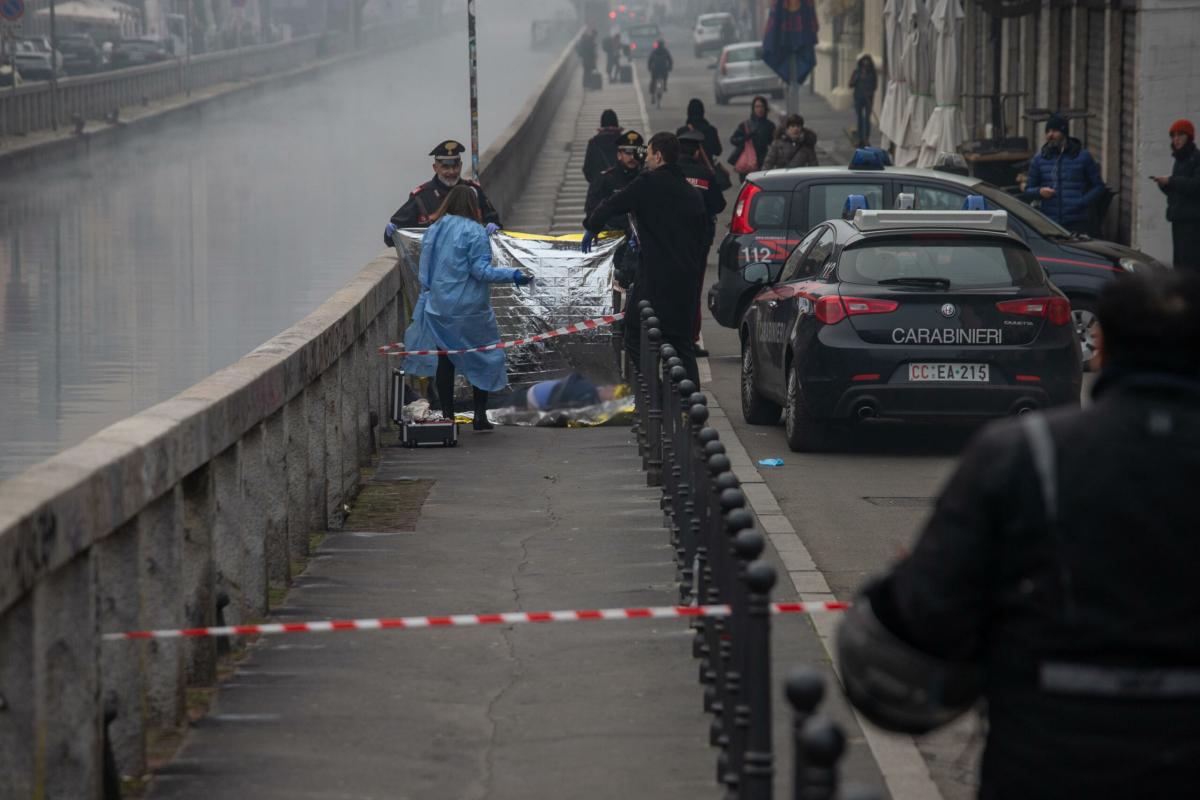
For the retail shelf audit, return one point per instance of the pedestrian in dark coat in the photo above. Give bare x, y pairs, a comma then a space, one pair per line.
758, 130
615, 178
585, 48
669, 221
601, 151
864, 81
1065, 177
1182, 189
794, 146
697, 122
1080, 605
700, 173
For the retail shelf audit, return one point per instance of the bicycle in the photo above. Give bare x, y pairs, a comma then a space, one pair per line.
656, 90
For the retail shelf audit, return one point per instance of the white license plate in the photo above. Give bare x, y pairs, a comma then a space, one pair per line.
925, 373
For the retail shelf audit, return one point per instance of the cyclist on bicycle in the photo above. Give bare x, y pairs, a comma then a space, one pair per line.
660, 63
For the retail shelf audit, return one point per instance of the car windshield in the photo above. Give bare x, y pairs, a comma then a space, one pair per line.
712, 22
950, 261
743, 54
1023, 211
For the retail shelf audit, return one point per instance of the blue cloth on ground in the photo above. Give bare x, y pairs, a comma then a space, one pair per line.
454, 310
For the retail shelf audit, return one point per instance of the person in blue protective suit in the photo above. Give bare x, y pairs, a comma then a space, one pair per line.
1065, 178
454, 310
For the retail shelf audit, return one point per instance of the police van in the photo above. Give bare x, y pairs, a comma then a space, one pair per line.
917, 315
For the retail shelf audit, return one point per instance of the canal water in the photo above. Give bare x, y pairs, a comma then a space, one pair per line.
126, 278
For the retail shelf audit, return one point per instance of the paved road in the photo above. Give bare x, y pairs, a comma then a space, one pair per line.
858, 508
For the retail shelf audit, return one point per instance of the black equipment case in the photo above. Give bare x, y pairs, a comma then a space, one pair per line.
418, 432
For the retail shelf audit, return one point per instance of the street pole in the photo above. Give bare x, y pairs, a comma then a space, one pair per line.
474, 70
53, 71
187, 46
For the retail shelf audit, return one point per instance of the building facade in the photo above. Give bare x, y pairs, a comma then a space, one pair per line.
1123, 69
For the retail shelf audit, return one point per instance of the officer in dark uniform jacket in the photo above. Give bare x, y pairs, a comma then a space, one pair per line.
615, 178
427, 198
699, 173
669, 221
1081, 604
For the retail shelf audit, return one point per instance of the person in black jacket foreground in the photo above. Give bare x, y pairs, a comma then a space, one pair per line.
1182, 188
1061, 564
669, 222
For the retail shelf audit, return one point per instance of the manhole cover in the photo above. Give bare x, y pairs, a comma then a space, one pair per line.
902, 502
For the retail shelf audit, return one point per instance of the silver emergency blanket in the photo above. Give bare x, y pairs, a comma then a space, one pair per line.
569, 286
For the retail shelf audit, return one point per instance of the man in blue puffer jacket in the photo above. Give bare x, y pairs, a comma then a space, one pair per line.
1065, 177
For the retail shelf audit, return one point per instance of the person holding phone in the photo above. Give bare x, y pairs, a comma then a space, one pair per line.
1182, 188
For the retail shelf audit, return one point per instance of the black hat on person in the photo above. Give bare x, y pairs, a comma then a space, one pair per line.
448, 151
630, 140
1057, 122
608, 119
691, 139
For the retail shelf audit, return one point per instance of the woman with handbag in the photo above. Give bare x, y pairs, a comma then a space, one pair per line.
752, 138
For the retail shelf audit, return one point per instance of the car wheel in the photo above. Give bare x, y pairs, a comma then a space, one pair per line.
722, 100
1084, 319
756, 409
699, 52
804, 433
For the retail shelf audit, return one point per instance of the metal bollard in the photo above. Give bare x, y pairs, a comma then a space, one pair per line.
747, 545
729, 501
804, 688
642, 385
758, 761
694, 419
712, 447
669, 361
822, 743
681, 504
654, 400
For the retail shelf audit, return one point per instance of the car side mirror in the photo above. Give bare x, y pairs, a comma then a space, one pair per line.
756, 273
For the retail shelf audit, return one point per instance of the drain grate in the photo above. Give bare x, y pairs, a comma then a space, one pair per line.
902, 502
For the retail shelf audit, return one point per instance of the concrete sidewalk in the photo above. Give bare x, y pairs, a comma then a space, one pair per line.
520, 519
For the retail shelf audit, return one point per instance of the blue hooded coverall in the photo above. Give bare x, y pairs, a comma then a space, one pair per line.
454, 310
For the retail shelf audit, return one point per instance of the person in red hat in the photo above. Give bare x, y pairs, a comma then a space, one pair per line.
1182, 188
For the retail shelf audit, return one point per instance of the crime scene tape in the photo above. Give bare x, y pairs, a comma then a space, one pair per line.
470, 620
397, 348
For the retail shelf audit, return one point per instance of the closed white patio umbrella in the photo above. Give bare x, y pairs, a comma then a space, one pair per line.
945, 132
918, 62
895, 98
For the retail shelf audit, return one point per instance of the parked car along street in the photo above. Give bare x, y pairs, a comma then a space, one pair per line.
81, 56
918, 315
742, 71
776, 208
136, 52
711, 30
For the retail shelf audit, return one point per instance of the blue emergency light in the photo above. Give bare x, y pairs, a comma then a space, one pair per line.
870, 158
854, 202
974, 202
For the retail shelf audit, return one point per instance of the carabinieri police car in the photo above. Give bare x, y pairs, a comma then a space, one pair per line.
919, 315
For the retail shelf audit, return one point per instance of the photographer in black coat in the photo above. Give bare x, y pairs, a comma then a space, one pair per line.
669, 222
1061, 564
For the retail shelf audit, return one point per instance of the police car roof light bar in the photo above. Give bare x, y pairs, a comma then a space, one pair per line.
884, 220
870, 158
854, 203
974, 202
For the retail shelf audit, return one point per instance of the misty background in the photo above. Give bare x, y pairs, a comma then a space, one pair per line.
129, 276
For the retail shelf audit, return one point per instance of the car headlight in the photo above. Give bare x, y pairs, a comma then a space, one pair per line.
1130, 264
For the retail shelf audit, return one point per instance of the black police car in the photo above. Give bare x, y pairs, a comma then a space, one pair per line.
905, 314
775, 208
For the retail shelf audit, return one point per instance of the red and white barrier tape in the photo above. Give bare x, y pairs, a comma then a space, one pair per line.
397, 349
471, 620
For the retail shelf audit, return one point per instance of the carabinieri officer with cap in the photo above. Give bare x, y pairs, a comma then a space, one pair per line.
424, 200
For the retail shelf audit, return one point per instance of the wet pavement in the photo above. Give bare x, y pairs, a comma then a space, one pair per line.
129, 276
